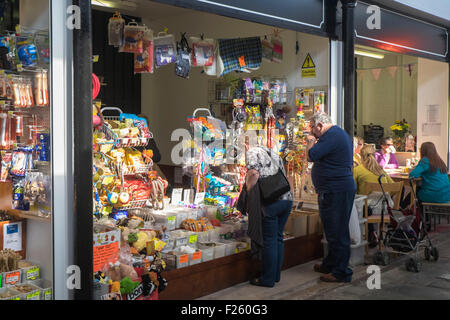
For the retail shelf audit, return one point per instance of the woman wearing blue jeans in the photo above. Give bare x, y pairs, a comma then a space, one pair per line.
262, 162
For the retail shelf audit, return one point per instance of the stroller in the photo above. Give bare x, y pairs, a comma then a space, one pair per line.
406, 233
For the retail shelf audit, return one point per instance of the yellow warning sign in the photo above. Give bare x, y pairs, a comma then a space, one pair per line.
308, 68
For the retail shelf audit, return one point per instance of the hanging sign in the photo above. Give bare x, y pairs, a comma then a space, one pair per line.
308, 68
391, 31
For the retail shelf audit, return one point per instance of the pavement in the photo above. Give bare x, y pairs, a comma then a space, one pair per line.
302, 283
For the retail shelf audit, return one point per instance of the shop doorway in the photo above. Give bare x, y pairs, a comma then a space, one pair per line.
404, 97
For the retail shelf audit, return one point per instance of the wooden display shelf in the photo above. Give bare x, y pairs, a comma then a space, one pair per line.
28, 215
5, 204
215, 275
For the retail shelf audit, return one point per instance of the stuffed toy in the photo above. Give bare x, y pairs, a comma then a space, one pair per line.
127, 286
119, 271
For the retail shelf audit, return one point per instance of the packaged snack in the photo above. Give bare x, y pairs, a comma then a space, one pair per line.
18, 195
21, 161
5, 127
143, 63
165, 49
133, 38
44, 199
116, 28
202, 52
6, 165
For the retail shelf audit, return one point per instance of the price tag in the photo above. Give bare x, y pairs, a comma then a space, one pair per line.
188, 196
2, 102
15, 298
18, 29
48, 294
12, 278
183, 259
176, 196
172, 219
19, 68
199, 197
9, 76
33, 273
34, 296
95, 58
193, 238
197, 255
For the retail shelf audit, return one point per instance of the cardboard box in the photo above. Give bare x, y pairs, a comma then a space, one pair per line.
297, 224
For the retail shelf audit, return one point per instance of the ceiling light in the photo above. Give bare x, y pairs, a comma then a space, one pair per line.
369, 54
101, 3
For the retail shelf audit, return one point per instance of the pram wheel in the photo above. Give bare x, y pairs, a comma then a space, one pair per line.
413, 265
435, 254
381, 258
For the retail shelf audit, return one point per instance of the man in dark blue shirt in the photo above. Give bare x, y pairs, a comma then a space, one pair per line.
331, 150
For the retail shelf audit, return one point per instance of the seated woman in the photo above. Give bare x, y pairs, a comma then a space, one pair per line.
385, 156
369, 170
358, 143
435, 187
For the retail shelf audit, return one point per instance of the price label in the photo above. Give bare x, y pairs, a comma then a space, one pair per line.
183, 259
34, 296
9, 76
12, 278
107, 180
172, 218
176, 196
197, 255
95, 58
107, 210
199, 197
15, 298
188, 195
193, 238
19, 68
33, 274
48, 294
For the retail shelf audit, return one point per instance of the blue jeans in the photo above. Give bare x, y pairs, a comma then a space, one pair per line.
273, 224
335, 209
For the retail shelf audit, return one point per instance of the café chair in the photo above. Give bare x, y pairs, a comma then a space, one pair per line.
395, 190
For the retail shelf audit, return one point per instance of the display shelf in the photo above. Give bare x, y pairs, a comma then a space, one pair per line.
28, 215
133, 205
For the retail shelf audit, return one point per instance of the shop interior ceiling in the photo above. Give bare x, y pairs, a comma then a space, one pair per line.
142, 8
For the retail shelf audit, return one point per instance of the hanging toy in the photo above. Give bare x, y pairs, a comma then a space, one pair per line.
116, 28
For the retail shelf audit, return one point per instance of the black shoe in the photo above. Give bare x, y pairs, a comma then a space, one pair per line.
257, 282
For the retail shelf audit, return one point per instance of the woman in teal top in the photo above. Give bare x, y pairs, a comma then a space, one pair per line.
435, 186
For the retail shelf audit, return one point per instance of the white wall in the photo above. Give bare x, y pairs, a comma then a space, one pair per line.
389, 98
433, 90
168, 100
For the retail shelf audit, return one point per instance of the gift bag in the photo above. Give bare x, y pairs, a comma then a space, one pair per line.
183, 62
277, 49
165, 49
217, 66
202, 52
133, 38
143, 63
116, 30
267, 49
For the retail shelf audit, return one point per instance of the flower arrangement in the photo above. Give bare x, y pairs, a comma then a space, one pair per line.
400, 128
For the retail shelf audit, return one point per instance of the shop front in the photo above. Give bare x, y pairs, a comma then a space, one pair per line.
402, 85
177, 86
35, 246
